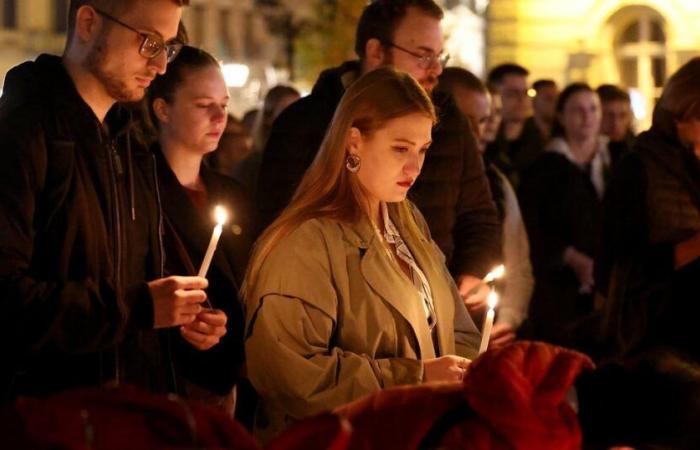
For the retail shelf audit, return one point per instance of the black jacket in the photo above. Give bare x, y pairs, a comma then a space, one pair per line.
78, 238
513, 158
187, 234
452, 191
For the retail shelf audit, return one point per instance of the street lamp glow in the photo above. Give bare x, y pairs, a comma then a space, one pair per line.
235, 75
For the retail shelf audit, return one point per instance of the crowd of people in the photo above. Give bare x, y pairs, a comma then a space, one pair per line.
365, 217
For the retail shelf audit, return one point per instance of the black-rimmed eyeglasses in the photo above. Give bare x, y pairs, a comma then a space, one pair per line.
152, 45
424, 61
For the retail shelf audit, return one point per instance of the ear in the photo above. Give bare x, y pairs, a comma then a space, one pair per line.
87, 23
354, 144
375, 54
160, 109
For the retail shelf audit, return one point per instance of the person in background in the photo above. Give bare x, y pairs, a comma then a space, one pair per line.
452, 192
277, 100
544, 105
617, 120
188, 107
519, 141
369, 303
650, 248
561, 197
476, 103
249, 119
234, 147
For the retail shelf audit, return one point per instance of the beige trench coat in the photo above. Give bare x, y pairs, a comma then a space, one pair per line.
332, 317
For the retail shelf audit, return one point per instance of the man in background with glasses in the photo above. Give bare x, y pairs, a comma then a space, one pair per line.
452, 191
79, 211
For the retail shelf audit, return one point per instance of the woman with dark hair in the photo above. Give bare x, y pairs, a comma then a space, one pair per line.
560, 198
188, 107
347, 293
649, 260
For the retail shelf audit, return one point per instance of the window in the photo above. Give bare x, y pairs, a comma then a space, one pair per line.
9, 14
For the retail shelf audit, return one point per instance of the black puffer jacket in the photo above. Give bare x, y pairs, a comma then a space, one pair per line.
452, 190
78, 238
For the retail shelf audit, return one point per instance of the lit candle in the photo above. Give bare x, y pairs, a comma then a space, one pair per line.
488, 321
221, 217
495, 274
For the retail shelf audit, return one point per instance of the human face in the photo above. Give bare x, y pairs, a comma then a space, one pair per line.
196, 117
581, 116
114, 57
517, 105
545, 103
418, 33
475, 106
617, 119
392, 156
493, 123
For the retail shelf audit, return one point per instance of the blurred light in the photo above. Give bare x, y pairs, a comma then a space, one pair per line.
531, 93
236, 75
639, 107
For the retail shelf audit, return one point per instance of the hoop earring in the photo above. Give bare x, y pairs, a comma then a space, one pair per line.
353, 163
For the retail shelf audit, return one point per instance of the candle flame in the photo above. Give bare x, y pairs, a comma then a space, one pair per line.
221, 215
492, 299
495, 274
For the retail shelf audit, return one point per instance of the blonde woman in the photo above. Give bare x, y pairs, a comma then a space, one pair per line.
346, 293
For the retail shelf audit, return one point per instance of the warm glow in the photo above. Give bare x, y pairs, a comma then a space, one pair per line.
531, 93
221, 215
492, 299
495, 274
235, 75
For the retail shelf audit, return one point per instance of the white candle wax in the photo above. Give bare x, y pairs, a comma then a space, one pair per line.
488, 321
206, 262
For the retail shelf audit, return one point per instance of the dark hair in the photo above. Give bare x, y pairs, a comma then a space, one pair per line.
164, 86
380, 19
680, 99
612, 93
498, 73
263, 122
543, 84
566, 94
453, 77
108, 6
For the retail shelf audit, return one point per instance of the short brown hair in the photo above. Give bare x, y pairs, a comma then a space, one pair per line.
680, 99
453, 77
108, 6
381, 17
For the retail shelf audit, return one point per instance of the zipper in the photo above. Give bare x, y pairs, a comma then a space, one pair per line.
116, 169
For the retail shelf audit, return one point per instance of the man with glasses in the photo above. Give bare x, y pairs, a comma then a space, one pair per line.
519, 141
79, 211
452, 191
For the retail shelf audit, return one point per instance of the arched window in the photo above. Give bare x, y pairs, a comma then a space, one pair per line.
640, 48
9, 14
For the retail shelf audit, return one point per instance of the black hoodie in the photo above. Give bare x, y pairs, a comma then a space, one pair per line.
79, 236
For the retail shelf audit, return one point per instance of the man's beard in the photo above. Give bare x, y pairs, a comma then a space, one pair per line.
117, 89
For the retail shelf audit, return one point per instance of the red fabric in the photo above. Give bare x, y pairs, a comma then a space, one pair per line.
200, 199
119, 418
517, 394
324, 432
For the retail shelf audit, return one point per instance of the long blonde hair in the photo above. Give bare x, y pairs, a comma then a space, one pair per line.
328, 190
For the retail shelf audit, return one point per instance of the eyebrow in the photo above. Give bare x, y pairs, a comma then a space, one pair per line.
427, 144
430, 50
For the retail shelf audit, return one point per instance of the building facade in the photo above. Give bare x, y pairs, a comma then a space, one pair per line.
635, 43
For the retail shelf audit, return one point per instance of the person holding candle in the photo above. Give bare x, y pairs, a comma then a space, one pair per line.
188, 106
561, 196
346, 292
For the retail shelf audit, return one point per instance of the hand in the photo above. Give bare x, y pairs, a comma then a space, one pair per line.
582, 265
176, 300
474, 292
687, 251
502, 334
207, 329
445, 368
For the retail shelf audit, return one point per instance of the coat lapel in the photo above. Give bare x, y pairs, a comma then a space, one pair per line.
382, 275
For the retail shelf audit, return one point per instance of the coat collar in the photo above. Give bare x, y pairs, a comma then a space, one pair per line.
392, 285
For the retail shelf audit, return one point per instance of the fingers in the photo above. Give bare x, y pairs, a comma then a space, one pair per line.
180, 282
213, 317
199, 340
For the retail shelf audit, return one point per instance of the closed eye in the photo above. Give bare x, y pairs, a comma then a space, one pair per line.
400, 149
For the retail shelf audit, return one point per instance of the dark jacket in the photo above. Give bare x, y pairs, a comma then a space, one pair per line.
186, 237
452, 191
78, 238
561, 208
514, 157
653, 203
